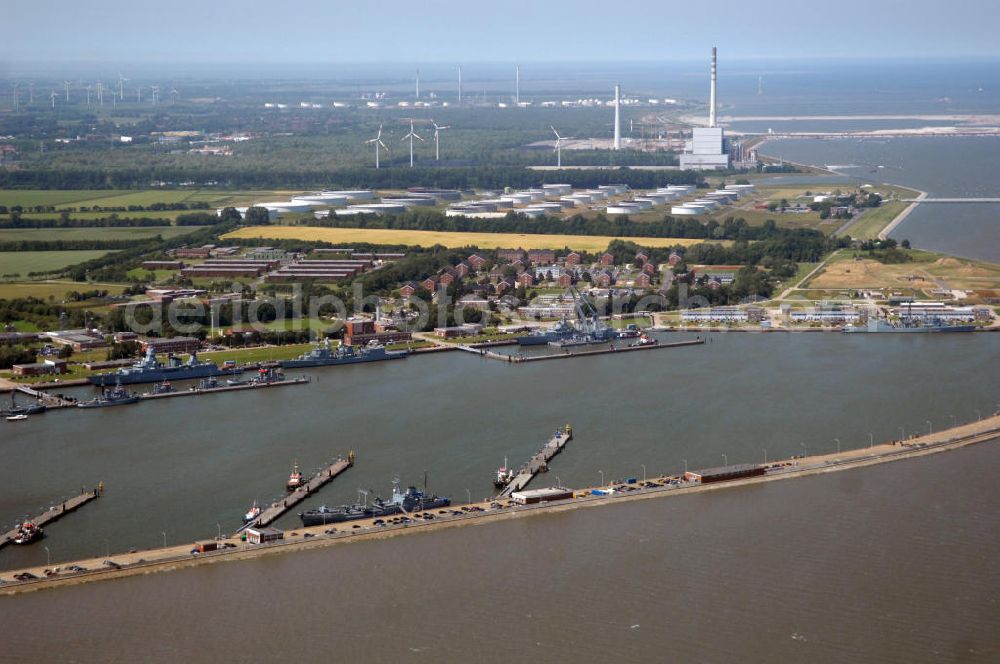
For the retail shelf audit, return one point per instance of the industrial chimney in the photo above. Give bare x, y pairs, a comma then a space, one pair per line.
711, 94
618, 117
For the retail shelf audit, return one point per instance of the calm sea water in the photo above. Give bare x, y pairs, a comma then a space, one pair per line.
946, 167
895, 563
181, 466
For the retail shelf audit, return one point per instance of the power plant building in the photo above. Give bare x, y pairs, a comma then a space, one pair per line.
707, 148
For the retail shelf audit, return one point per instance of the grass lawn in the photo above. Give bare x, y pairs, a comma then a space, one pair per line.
449, 239
158, 275
57, 289
126, 197
869, 224
23, 262
51, 234
260, 354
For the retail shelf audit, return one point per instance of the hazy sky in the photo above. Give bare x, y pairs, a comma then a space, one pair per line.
507, 30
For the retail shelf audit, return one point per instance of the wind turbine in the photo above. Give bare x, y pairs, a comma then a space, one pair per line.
121, 86
411, 136
52, 97
173, 94
138, 95
100, 93
377, 142
418, 83
155, 90
31, 92
88, 94
437, 139
559, 140
66, 85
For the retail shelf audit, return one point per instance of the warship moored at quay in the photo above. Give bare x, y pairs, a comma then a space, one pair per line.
151, 370
413, 500
325, 355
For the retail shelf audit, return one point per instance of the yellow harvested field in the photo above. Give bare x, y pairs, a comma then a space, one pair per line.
923, 275
447, 239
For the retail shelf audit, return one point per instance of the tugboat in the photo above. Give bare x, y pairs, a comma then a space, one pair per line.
414, 500
295, 479
119, 396
504, 475
27, 533
252, 513
644, 340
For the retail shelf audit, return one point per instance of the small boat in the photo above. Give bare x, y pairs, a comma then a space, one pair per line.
16, 418
295, 479
235, 382
504, 475
252, 513
644, 340
27, 533
163, 388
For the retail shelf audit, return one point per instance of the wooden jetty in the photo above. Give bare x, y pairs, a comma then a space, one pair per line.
57, 512
224, 388
316, 482
539, 462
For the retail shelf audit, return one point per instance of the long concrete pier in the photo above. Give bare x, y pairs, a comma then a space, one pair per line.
316, 482
538, 463
56, 512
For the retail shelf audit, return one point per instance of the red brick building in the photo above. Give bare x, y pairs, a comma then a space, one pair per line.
476, 262
408, 289
607, 259
542, 256
361, 332
525, 279
643, 280
573, 258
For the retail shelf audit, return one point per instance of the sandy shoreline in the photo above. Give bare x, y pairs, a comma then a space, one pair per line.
177, 557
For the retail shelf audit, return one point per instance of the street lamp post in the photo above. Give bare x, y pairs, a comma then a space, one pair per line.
930, 428
725, 459
954, 421
48, 557
979, 415
164, 533
468, 495
219, 527
871, 439
602, 477
902, 434
558, 481
838, 445
764, 449
805, 451
685, 465
643, 473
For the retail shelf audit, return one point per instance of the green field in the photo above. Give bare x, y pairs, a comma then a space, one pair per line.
23, 262
56, 289
53, 234
868, 226
126, 197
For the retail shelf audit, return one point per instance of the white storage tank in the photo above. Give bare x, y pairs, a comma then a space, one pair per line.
623, 208
353, 194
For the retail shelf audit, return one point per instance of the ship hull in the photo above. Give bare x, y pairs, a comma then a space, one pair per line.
158, 375
303, 364
107, 404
